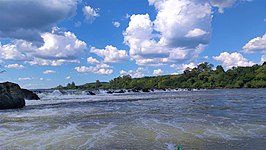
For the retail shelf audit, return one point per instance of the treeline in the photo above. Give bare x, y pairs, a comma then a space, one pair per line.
202, 76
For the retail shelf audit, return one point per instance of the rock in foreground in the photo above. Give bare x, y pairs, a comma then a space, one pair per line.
11, 96
29, 95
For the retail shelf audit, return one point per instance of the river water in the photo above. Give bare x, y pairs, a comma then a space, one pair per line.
197, 120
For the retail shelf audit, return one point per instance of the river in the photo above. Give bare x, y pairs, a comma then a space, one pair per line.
197, 120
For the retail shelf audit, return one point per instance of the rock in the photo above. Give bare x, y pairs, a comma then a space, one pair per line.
135, 90
29, 95
11, 96
91, 93
145, 90
119, 91
110, 92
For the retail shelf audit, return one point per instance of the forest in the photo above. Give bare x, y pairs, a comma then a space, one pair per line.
205, 75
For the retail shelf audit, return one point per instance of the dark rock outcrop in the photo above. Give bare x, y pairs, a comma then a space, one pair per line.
110, 92
29, 95
145, 90
91, 93
11, 96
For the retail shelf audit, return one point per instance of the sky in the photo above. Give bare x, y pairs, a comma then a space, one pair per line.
54, 42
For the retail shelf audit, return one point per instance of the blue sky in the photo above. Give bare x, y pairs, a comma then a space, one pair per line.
47, 43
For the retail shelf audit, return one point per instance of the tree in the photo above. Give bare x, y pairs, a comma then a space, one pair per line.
220, 69
97, 84
71, 85
202, 76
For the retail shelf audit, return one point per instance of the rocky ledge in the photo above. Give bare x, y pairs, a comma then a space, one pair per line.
12, 96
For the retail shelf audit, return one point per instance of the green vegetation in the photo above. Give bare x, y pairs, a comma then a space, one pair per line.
202, 76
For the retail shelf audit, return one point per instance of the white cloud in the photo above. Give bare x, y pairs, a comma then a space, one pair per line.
103, 69
111, 54
221, 4
195, 33
92, 60
46, 62
133, 73
116, 24
265, 20
24, 79
14, 51
49, 71
263, 59
232, 60
90, 13
58, 48
182, 67
26, 19
67, 78
15, 66
123, 72
157, 72
182, 28
41, 79
257, 44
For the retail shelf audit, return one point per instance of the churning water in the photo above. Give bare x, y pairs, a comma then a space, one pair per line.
208, 119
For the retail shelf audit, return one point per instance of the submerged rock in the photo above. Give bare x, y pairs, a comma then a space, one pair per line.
11, 96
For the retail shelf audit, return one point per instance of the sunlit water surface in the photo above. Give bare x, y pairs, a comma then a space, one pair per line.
207, 120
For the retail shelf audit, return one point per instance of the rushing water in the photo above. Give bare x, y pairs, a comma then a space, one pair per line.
207, 120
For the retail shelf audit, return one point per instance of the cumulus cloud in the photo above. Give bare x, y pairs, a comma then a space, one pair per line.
24, 79
103, 69
257, 44
111, 54
157, 72
28, 18
49, 72
15, 66
182, 28
65, 46
58, 48
46, 62
222, 4
92, 60
232, 60
90, 13
116, 24
133, 73
14, 51
195, 33
182, 67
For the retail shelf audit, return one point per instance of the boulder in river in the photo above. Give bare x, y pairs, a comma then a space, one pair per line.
11, 96
29, 95
91, 93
